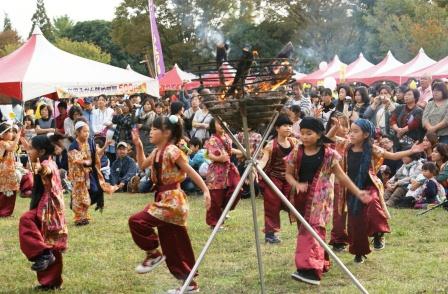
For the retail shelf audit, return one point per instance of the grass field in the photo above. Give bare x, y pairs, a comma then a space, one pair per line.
102, 256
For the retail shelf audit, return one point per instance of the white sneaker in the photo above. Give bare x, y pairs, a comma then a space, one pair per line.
149, 264
189, 290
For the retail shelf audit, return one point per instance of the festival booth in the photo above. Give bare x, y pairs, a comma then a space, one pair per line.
38, 69
325, 70
357, 66
174, 79
401, 74
438, 70
370, 75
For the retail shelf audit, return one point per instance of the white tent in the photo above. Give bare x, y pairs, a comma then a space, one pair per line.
38, 68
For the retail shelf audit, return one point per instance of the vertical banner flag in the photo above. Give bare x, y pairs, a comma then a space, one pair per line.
159, 65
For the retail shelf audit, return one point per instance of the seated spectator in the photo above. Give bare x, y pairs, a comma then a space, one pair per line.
432, 140
397, 186
387, 144
197, 155
123, 168
74, 114
440, 157
431, 188
145, 184
101, 145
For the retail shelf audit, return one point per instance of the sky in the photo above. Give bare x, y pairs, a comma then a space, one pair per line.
21, 11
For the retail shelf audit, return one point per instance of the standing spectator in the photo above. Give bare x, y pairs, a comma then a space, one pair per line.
123, 168
159, 109
380, 110
144, 122
124, 120
435, 115
74, 113
101, 116
299, 99
425, 90
29, 128
296, 116
201, 123
345, 98
327, 105
87, 107
59, 120
189, 114
399, 94
45, 124
184, 97
406, 120
360, 104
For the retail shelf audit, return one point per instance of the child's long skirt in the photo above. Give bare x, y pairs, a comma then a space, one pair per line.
370, 220
339, 233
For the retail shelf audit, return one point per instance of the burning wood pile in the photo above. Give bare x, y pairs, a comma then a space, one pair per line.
255, 89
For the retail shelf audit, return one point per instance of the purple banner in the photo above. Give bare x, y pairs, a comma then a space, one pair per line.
156, 45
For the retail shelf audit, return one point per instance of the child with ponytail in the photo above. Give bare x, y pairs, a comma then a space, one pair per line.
42, 229
168, 213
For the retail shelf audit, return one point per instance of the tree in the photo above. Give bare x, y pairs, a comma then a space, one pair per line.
7, 26
9, 41
41, 20
62, 26
404, 26
83, 49
98, 32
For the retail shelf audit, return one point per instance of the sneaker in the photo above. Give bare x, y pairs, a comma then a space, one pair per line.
43, 261
359, 259
339, 247
378, 241
149, 264
271, 238
194, 288
307, 276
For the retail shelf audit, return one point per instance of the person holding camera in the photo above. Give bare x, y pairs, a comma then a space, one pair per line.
380, 111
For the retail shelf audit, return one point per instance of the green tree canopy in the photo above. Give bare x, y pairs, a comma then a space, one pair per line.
62, 25
83, 49
9, 41
41, 20
7, 25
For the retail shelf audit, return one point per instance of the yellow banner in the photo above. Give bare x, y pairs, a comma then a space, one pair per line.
119, 89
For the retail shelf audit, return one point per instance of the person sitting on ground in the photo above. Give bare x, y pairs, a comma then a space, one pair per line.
197, 156
397, 186
431, 188
101, 145
123, 168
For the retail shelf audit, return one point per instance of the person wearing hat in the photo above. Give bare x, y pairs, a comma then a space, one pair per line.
87, 113
309, 170
274, 165
123, 168
8, 181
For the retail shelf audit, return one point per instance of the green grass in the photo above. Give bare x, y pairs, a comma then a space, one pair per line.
101, 257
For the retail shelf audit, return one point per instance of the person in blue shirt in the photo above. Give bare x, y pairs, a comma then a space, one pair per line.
123, 168
197, 156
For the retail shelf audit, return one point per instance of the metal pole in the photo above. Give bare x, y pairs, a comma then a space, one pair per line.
254, 208
310, 229
216, 229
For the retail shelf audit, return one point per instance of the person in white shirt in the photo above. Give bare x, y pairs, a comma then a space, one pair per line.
101, 116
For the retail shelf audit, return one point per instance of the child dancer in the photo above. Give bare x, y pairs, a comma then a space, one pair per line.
169, 167
8, 181
310, 169
222, 176
274, 165
85, 174
42, 229
362, 162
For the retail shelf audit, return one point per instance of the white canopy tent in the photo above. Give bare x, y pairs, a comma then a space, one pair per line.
38, 68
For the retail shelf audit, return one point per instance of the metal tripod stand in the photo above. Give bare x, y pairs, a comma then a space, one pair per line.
251, 166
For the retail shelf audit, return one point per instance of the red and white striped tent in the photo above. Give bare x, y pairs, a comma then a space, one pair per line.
369, 76
357, 66
175, 78
400, 74
335, 66
38, 68
438, 70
